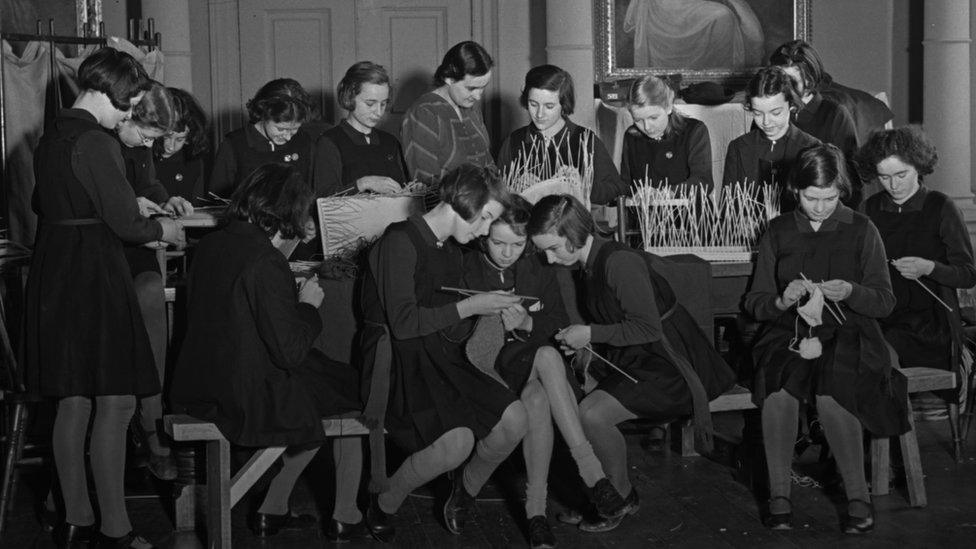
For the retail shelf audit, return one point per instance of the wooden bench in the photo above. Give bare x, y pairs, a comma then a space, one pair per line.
223, 492
919, 380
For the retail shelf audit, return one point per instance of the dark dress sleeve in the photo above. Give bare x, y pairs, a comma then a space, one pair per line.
144, 181
625, 173
97, 162
959, 272
627, 276
607, 185
396, 261
287, 327
224, 170
326, 168
872, 296
505, 154
733, 170
760, 302
699, 151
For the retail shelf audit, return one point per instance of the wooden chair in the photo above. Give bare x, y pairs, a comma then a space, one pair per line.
222, 491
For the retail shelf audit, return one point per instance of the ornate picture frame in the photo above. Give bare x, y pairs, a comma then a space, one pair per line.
724, 41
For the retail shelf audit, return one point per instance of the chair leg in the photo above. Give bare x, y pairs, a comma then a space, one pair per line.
913, 465
218, 494
880, 466
15, 446
688, 438
954, 428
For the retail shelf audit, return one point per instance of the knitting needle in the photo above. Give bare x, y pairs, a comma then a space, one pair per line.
612, 365
467, 292
927, 289
826, 303
837, 306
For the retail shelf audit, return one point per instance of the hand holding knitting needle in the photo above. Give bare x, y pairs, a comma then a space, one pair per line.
573, 337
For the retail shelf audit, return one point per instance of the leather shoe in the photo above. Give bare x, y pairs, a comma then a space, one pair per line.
605, 524
858, 525
608, 501
341, 532
780, 521
69, 535
457, 506
378, 522
540, 533
266, 524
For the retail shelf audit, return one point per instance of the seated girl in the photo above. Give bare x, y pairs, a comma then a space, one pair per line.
273, 133
440, 406
836, 359
355, 154
179, 155
767, 152
532, 367
926, 239
667, 366
552, 140
247, 363
663, 146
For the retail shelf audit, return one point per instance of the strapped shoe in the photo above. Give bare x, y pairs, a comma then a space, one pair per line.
858, 525
608, 501
780, 521
378, 522
605, 524
540, 533
457, 506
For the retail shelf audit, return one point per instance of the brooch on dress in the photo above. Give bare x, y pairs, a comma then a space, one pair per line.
178, 177
669, 155
291, 157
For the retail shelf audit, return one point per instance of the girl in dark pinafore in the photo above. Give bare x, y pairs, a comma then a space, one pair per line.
85, 341
826, 250
638, 326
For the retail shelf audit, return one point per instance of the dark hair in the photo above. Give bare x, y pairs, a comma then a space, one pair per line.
275, 197
908, 143
467, 188
363, 72
652, 91
550, 78
822, 166
462, 59
114, 73
191, 119
799, 54
562, 215
281, 100
770, 81
156, 110
516, 215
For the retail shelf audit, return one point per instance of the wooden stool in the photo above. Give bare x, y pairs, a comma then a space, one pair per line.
919, 380
223, 492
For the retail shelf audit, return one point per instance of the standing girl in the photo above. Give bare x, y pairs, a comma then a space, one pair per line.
85, 340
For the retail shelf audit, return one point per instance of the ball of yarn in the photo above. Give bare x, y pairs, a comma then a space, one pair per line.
810, 347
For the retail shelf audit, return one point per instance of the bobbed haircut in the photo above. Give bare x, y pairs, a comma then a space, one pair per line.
467, 188
800, 54
281, 100
651, 91
908, 143
274, 197
462, 59
192, 120
516, 215
363, 72
116, 74
550, 78
156, 110
822, 166
562, 215
770, 81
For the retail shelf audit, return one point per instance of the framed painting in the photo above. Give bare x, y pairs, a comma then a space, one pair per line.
724, 41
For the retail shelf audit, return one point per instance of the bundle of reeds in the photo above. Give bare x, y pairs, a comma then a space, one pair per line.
550, 167
721, 226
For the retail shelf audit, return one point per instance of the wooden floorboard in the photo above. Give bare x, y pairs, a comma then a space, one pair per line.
685, 502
